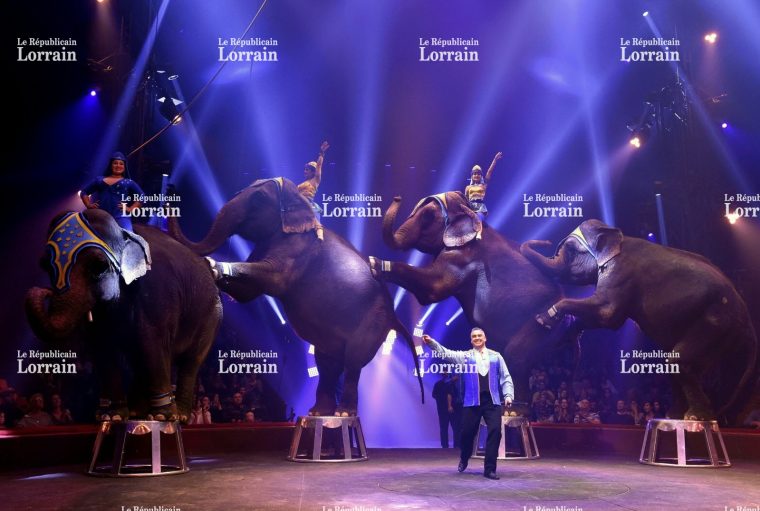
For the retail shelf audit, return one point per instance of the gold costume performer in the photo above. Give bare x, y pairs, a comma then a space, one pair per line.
308, 188
476, 190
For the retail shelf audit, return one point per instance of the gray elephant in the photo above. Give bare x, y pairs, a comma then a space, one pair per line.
139, 294
678, 299
499, 289
325, 286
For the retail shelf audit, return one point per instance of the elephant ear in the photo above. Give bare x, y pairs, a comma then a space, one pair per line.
463, 225
296, 212
135, 257
604, 239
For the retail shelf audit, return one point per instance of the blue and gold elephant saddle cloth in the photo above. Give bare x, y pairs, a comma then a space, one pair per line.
69, 237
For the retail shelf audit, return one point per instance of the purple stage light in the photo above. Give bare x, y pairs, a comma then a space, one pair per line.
645, 13
724, 125
93, 92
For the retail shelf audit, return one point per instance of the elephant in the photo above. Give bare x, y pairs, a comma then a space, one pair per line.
325, 285
138, 296
498, 289
677, 298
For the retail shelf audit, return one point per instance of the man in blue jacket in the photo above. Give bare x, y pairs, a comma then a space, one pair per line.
487, 384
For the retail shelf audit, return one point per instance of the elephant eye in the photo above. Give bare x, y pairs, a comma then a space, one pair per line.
98, 267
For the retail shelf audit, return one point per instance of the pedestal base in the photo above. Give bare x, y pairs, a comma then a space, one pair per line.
349, 439
528, 449
651, 444
124, 434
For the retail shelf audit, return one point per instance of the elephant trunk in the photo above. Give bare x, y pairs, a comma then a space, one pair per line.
400, 239
551, 266
46, 325
225, 223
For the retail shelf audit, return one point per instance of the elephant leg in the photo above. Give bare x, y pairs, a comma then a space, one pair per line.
330, 370
527, 349
112, 403
349, 402
429, 284
593, 312
689, 380
187, 374
678, 407
246, 281
154, 360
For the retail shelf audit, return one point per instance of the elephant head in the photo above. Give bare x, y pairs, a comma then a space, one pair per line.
89, 257
437, 222
580, 255
258, 212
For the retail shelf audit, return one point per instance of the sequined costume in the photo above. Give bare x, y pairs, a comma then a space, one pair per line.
111, 197
308, 188
476, 194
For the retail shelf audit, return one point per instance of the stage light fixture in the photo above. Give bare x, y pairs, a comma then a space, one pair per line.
635, 142
732, 218
93, 92
168, 109
724, 125
645, 13
711, 37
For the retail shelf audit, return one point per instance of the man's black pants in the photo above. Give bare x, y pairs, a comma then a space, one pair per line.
471, 423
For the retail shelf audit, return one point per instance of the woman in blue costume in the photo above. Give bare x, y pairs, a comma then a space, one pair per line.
114, 193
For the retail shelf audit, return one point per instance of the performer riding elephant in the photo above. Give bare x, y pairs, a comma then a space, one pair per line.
326, 286
140, 294
678, 299
499, 290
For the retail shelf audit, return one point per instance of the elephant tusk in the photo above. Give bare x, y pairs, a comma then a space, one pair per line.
89, 316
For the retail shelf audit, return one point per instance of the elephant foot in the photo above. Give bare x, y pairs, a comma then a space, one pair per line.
164, 413
112, 412
549, 319
219, 270
111, 415
698, 414
317, 412
378, 266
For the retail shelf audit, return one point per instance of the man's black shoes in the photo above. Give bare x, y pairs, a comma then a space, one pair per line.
490, 475
462, 466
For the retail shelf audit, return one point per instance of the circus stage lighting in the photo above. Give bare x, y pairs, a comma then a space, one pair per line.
169, 110
732, 218
724, 125
711, 37
93, 92
455, 316
645, 14
635, 142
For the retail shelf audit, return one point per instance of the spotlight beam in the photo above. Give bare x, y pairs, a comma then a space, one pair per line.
114, 128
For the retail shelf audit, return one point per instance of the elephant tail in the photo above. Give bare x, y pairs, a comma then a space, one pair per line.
404, 332
750, 377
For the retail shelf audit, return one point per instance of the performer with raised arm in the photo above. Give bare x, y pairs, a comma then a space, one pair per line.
476, 190
308, 188
485, 389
